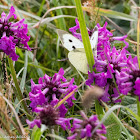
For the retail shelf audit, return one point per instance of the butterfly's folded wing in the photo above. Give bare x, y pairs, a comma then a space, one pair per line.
94, 40
69, 41
78, 59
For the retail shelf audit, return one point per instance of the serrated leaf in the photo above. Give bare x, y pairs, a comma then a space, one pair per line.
133, 107
113, 128
110, 112
127, 100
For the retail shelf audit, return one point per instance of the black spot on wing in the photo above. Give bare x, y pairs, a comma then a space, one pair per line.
74, 47
70, 40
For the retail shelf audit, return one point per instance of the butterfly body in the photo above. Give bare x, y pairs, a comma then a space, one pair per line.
77, 55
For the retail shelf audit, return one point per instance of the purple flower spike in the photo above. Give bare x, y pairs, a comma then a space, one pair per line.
45, 95
129, 78
50, 90
83, 128
12, 35
108, 64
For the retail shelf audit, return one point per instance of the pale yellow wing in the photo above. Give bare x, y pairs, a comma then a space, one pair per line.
78, 59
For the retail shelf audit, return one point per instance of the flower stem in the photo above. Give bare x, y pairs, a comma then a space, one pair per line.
138, 52
87, 47
19, 93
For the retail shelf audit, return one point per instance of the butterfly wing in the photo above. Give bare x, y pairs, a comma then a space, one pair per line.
78, 59
69, 41
94, 40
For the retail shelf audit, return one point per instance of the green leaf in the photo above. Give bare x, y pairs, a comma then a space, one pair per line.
41, 7
38, 66
61, 22
115, 118
113, 128
22, 83
36, 133
115, 14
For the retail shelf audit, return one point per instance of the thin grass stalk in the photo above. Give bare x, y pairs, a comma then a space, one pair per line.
68, 96
37, 66
13, 123
6, 127
138, 52
16, 116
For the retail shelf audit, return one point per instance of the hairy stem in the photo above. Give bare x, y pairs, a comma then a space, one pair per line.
19, 93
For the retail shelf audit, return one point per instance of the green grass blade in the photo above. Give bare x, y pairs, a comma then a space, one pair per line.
85, 36
41, 7
111, 14
36, 134
115, 14
138, 56
22, 83
61, 22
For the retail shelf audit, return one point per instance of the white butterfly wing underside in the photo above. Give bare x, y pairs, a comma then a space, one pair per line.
78, 60
69, 41
94, 39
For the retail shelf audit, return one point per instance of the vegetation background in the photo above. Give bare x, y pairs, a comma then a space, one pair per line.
49, 55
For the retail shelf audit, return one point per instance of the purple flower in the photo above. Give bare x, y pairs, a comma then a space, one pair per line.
12, 35
82, 128
34, 122
49, 116
107, 63
128, 78
64, 122
104, 36
50, 90
121, 38
77, 27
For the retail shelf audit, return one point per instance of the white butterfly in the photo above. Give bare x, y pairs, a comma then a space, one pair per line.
77, 55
